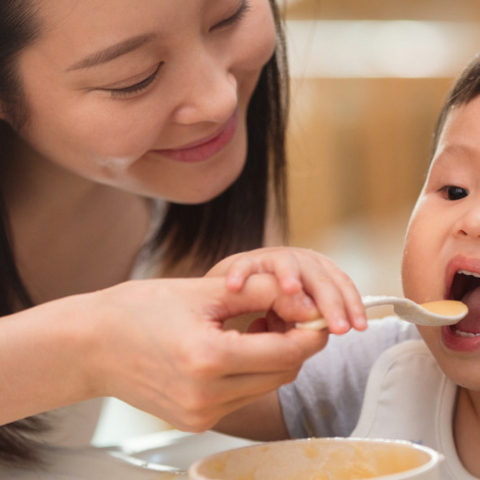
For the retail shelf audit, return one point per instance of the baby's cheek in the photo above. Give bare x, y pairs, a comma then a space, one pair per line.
413, 286
412, 271
430, 335
422, 280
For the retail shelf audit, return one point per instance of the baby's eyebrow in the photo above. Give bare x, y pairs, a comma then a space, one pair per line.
449, 152
113, 51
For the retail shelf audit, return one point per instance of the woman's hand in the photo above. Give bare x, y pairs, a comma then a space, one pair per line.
304, 276
159, 346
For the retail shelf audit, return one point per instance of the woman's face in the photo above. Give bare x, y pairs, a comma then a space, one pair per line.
149, 96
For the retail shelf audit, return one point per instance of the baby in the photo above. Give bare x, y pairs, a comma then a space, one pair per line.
394, 381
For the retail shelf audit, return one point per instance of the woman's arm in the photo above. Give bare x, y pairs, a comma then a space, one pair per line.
261, 420
44, 354
156, 344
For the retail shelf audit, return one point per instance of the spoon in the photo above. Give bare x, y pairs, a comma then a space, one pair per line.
430, 314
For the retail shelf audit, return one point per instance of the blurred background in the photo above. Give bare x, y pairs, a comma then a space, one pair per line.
368, 80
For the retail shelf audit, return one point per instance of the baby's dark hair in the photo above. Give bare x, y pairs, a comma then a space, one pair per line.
465, 89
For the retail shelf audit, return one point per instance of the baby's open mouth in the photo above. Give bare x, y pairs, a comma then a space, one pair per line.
466, 288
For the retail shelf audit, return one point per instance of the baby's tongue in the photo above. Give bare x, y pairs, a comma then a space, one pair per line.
471, 323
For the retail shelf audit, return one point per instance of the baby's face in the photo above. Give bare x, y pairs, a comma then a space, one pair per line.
442, 249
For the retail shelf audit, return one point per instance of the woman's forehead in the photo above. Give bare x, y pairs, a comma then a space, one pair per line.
76, 29
99, 23
110, 12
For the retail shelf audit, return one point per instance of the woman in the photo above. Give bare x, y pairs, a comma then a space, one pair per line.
124, 155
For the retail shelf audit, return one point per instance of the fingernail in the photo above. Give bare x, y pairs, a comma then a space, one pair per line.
342, 323
361, 322
307, 302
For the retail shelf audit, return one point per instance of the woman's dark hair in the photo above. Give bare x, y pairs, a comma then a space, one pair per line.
465, 89
201, 234
18, 28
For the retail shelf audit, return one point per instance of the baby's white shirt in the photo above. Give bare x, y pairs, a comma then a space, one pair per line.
409, 398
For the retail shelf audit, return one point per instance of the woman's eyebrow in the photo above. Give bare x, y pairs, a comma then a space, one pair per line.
112, 52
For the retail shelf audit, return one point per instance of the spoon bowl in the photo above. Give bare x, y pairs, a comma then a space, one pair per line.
430, 314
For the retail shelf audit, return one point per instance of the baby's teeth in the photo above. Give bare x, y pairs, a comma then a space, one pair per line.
472, 274
466, 334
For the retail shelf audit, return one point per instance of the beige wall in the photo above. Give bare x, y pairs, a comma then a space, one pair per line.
450, 10
359, 147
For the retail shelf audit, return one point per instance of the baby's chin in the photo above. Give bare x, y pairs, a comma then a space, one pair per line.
460, 367
466, 379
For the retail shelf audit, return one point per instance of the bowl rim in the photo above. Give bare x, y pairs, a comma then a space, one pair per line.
435, 456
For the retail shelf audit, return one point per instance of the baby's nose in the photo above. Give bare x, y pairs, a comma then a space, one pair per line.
469, 223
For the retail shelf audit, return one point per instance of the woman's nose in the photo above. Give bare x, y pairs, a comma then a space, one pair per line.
209, 94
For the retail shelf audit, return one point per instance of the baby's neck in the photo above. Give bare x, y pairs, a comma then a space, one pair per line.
466, 429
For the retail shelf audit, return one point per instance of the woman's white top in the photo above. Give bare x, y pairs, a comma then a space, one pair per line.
74, 426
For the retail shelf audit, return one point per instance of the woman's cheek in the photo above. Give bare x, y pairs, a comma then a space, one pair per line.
256, 50
116, 132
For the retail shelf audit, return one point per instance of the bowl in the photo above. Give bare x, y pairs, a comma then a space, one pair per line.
322, 459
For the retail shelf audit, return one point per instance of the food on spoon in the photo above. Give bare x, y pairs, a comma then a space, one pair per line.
449, 308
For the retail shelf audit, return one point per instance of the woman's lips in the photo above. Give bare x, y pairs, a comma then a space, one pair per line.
205, 148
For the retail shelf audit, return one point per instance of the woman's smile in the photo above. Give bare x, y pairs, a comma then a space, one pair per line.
174, 93
204, 148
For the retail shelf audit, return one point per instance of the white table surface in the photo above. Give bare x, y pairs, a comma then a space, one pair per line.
159, 456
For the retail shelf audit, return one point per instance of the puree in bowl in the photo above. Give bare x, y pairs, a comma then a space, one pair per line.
315, 459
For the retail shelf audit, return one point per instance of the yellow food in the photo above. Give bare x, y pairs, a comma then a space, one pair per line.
450, 308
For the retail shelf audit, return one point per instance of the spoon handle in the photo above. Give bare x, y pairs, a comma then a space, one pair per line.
377, 300
368, 301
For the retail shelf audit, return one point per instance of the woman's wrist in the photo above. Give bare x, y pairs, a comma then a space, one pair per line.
46, 358
87, 332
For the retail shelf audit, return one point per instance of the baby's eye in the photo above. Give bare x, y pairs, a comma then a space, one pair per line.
453, 193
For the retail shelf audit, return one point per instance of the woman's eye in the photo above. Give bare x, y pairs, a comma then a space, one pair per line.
453, 193
236, 17
135, 88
